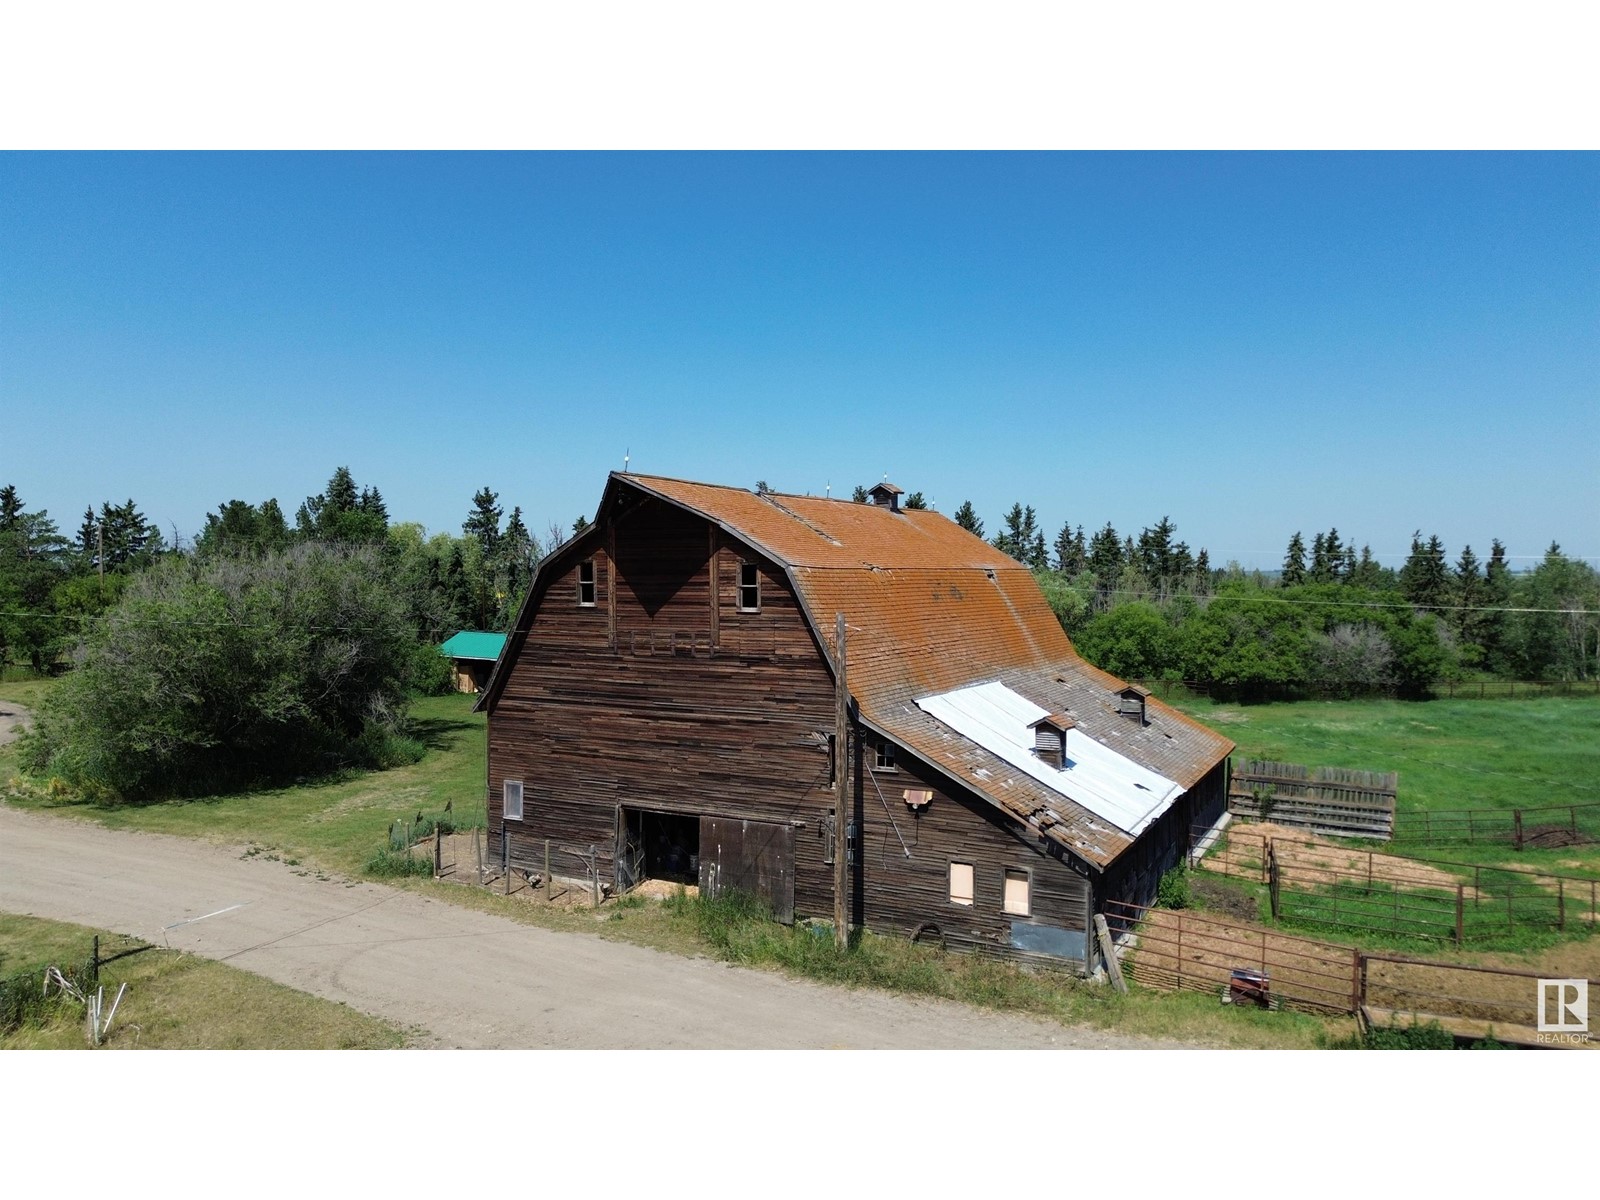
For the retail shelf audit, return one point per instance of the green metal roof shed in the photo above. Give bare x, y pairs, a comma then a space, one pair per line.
470, 643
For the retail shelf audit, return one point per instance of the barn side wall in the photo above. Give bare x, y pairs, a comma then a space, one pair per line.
1134, 876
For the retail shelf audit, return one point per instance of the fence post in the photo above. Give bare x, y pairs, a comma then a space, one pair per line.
1355, 980
1460, 906
1179, 915
1516, 817
94, 969
1561, 903
1369, 872
438, 852
1272, 882
594, 873
549, 886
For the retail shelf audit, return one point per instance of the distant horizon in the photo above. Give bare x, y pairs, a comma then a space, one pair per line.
1247, 343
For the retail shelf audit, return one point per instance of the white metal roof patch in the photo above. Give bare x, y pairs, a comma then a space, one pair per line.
1095, 777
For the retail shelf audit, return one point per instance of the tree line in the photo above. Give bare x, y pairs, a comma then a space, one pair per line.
1331, 619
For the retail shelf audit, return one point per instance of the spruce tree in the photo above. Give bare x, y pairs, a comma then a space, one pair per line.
1294, 562
859, 496
968, 519
1467, 596
1319, 559
916, 501
483, 523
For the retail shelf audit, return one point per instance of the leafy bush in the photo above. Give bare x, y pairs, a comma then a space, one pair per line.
216, 674
1415, 1036
430, 671
1173, 890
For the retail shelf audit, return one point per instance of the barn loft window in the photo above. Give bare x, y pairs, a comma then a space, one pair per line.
749, 588
512, 808
885, 758
1131, 703
1017, 898
961, 883
586, 583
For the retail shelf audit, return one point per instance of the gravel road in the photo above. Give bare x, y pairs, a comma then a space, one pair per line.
459, 978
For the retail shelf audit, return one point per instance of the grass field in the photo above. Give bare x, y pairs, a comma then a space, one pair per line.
334, 824
178, 1002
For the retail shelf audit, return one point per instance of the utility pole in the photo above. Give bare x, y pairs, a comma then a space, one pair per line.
843, 775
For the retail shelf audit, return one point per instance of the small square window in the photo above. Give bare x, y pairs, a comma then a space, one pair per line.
961, 883
586, 583
749, 588
1017, 899
885, 758
512, 809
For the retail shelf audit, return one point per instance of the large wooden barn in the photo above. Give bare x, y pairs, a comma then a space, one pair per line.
667, 698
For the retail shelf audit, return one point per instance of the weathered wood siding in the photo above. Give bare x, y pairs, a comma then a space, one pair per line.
711, 725
1132, 879
900, 892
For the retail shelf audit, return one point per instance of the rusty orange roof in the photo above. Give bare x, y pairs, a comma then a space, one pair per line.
931, 608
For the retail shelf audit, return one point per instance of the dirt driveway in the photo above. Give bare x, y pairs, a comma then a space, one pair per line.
13, 720
462, 978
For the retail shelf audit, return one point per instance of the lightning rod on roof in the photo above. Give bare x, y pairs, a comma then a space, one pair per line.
626, 456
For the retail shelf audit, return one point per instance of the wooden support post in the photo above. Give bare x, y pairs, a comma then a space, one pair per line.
1356, 974
1516, 818
842, 811
549, 884
594, 874
94, 970
1108, 951
1460, 910
438, 851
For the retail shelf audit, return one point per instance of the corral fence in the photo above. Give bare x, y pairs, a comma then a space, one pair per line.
560, 870
1171, 950
1520, 828
1366, 891
1334, 800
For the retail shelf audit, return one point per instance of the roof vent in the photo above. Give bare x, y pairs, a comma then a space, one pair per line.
885, 495
1132, 703
1050, 738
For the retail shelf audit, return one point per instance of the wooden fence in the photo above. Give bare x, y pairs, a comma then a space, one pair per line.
1331, 800
1520, 828
1367, 891
1492, 689
1169, 950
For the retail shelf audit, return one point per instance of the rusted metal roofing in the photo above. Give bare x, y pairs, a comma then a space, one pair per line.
931, 609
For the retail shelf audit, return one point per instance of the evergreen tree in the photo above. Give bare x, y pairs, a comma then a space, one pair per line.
1366, 573
1468, 598
483, 523
1155, 551
1202, 572
1333, 549
341, 512
915, 500
1037, 559
1105, 560
1319, 559
1425, 579
1069, 550
859, 496
10, 508
1347, 569
1294, 562
1494, 625
965, 516
579, 524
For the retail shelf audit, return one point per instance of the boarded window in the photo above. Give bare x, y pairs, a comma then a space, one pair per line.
1017, 898
885, 759
586, 583
749, 588
513, 800
960, 883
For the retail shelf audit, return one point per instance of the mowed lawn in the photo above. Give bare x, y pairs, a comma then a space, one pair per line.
336, 824
177, 1001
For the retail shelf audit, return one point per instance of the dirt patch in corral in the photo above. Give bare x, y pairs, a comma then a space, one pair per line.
1310, 860
1195, 952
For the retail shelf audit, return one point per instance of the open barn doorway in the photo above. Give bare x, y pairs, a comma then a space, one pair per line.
656, 845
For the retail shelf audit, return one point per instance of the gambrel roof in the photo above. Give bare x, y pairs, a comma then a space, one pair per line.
931, 609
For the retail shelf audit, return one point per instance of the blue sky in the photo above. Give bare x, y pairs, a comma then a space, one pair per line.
1249, 343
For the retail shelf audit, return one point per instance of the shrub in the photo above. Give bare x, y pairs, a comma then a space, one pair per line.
212, 675
1173, 890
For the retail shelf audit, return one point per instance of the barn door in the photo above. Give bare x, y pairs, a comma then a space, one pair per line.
749, 856
629, 859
